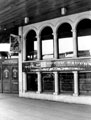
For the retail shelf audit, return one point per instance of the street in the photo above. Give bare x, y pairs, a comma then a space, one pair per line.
14, 108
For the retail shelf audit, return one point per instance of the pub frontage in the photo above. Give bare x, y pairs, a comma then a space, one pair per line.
55, 60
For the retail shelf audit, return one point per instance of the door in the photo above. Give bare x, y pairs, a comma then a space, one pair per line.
10, 76
14, 79
6, 82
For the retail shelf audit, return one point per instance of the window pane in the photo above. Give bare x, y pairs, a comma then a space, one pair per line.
48, 82
84, 46
85, 83
47, 49
65, 47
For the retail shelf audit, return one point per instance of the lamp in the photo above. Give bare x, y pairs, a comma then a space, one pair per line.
26, 20
63, 11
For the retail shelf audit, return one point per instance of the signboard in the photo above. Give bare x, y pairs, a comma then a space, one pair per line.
58, 65
15, 43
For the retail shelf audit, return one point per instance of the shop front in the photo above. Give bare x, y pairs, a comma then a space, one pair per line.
55, 62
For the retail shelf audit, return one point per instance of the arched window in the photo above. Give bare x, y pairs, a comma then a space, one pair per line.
47, 43
84, 38
65, 42
31, 45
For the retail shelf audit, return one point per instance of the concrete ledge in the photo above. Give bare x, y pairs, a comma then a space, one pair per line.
60, 98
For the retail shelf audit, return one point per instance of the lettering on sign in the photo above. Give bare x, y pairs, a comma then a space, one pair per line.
58, 65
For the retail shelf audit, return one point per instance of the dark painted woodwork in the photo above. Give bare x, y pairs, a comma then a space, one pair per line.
32, 82
6, 78
9, 76
85, 83
48, 82
66, 82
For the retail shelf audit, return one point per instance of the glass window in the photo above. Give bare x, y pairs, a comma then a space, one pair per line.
85, 83
48, 82
47, 43
84, 46
65, 47
66, 81
32, 82
65, 40
31, 46
47, 49
84, 38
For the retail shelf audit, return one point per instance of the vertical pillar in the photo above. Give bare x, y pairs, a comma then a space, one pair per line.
56, 83
23, 59
39, 82
39, 58
24, 50
75, 46
76, 91
75, 49
20, 62
38, 46
55, 45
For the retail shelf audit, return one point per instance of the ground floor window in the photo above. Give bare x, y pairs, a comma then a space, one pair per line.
48, 82
85, 83
66, 83
32, 82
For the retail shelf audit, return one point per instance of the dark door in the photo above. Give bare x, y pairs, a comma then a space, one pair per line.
14, 79
10, 76
6, 82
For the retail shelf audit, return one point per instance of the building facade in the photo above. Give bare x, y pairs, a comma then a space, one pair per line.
55, 60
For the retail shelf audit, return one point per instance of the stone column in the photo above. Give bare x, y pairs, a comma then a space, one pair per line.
20, 62
75, 46
38, 46
75, 49
76, 90
39, 58
56, 83
39, 82
23, 58
55, 45
24, 50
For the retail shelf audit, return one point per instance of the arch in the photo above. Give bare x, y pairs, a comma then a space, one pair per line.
31, 50
83, 24
46, 40
45, 25
83, 37
62, 22
65, 27
47, 31
31, 32
80, 18
64, 35
29, 29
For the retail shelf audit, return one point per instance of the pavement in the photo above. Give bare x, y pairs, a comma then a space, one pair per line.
13, 107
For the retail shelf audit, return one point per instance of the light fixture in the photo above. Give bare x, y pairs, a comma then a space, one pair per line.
63, 11
26, 20
63, 8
